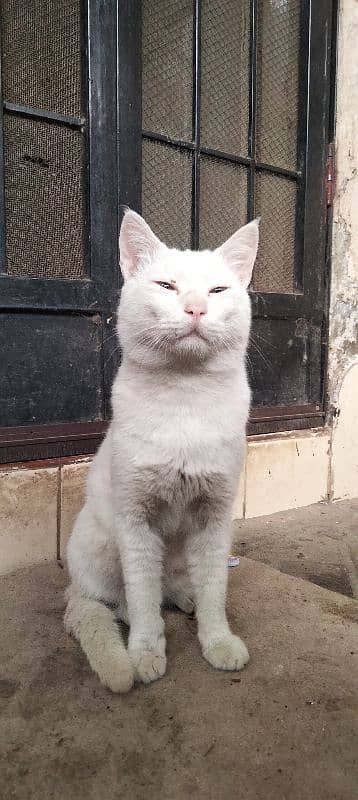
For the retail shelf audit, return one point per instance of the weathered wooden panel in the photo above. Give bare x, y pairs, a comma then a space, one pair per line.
50, 368
282, 362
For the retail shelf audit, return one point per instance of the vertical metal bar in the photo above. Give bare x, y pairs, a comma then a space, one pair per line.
315, 212
195, 218
333, 71
85, 176
129, 136
315, 220
2, 177
252, 111
102, 106
129, 103
103, 174
329, 222
304, 47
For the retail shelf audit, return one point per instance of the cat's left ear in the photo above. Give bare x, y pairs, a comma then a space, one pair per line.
137, 243
239, 252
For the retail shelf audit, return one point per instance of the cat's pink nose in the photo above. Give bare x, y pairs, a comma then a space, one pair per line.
195, 305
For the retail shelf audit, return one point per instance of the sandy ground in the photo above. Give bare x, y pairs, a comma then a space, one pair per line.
285, 728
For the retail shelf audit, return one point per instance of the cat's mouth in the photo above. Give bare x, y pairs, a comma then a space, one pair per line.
192, 333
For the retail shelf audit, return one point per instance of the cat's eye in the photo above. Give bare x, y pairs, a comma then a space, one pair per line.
166, 285
218, 289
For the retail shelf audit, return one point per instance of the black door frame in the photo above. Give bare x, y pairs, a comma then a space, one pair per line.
113, 131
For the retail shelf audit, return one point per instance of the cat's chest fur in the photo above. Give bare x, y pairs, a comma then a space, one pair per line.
173, 498
182, 428
181, 450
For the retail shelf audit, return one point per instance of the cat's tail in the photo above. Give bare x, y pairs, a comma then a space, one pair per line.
93, 624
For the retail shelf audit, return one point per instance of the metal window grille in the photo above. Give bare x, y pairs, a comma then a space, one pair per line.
44, 145
223, 97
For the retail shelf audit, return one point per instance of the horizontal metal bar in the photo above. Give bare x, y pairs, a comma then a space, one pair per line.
51, 433
89, 430
45, 116
271, 426
31, 443
43, 442
286, 173
265, 414
234, 159
221, 154
270, 305
48, 294
162, 137
247, 162
60, 295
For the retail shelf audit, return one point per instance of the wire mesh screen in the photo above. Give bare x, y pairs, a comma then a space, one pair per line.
166, 192
42, 54
43, 199
222, 84
278, 52
167, 66
276, 204
225, 64
223, 190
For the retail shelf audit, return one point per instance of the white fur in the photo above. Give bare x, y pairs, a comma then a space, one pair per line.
156, 523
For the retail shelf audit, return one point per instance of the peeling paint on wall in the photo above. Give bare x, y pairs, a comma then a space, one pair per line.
343, 327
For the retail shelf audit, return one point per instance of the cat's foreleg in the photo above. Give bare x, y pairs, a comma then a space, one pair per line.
141, 553
177, 588
206, 552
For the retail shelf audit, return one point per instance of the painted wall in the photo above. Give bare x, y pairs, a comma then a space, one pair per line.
343, 327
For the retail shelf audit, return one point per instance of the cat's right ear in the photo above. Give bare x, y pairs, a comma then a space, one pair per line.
239, 252
137, 243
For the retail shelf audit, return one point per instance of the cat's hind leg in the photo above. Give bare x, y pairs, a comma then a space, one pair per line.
94, 625
96, 588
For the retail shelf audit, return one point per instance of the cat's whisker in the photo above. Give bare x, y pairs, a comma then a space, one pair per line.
262, 356
254, 336
111, 354
110, 337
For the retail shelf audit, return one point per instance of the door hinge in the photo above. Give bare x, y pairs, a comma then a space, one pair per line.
330, 173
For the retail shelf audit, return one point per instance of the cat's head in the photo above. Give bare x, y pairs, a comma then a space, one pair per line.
187, 305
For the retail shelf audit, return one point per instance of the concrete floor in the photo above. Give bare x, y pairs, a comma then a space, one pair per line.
283, 729
318, 543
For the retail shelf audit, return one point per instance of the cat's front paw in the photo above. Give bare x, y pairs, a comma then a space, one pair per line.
148, 665
228, 653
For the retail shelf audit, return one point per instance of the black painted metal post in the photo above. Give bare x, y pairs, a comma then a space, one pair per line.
195, 220
2, 178
252, 111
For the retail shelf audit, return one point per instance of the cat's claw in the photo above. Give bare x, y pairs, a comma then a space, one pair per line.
148, 665
229, 653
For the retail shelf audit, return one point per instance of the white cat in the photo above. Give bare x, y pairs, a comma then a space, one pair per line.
156, 523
